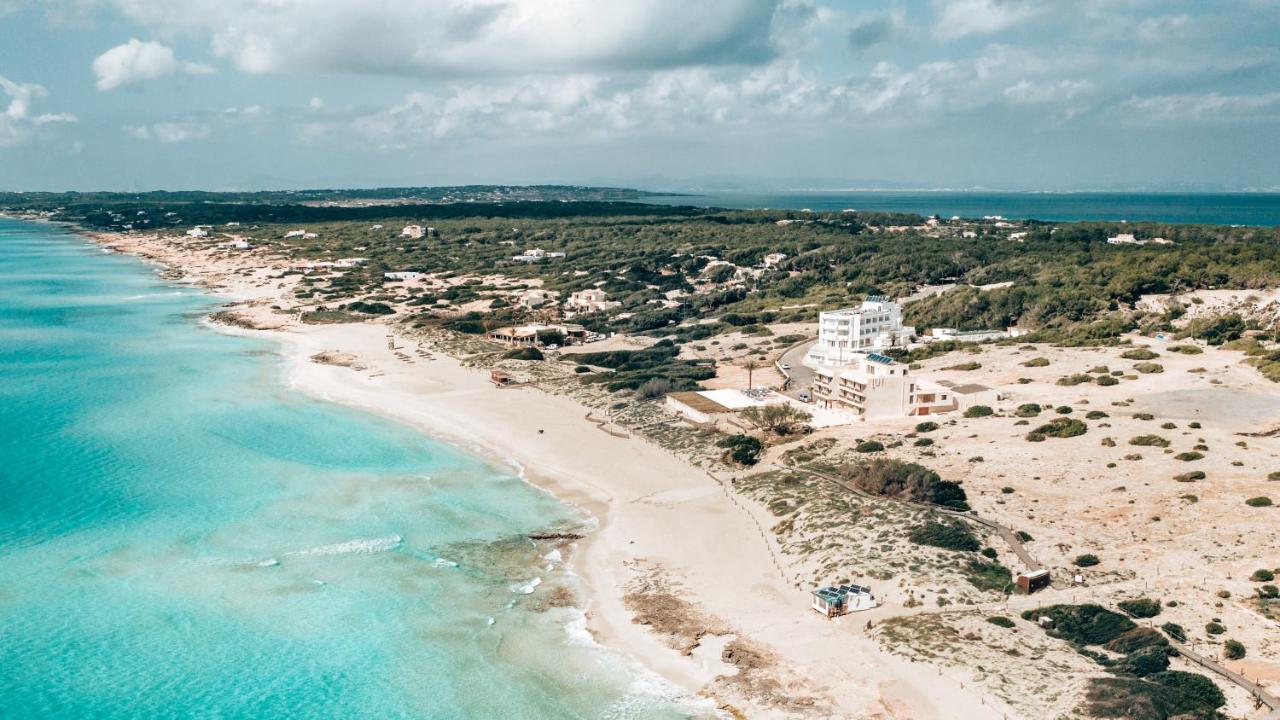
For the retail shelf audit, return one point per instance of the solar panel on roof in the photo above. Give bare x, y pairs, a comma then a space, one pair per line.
877, 357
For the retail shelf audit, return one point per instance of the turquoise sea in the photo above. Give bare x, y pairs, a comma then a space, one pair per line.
183, 536
1196, 208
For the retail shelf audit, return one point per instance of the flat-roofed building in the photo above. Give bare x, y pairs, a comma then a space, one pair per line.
878, 387
843, 335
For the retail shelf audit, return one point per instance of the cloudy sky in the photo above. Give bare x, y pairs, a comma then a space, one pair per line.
1015, 94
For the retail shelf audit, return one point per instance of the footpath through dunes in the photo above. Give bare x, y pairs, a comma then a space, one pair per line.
662, 523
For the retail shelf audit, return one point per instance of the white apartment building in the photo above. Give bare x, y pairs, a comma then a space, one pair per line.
877, 387
843, 335
412, 231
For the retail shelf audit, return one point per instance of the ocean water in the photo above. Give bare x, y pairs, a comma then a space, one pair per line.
183, 536
1261, 209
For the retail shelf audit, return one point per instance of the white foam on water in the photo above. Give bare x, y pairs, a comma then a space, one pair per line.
444, 562
489, 621
359, 545
576, 632
554, 556
648, 691
269, 562
527, 588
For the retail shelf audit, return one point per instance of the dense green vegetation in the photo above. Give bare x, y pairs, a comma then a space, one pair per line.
1067, 282
906, 481
948, 535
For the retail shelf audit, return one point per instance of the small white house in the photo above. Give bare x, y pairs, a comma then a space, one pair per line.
838, 600
412, 231
240, 245
407, 275
197, 232
295, 234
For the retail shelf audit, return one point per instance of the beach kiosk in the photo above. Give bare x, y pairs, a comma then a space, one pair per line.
838, 600
1033, 580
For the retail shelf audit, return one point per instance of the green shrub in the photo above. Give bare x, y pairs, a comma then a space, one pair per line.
1106, 381
1186, 349
1095, 415
1063, 410
1141, 607
907, 481
1087, 624
525, 353
965, 366
1086, 560
990, 576
1216, 330
1031, 410
1059, 428
1148, 368
1139, 354
923, 442
1262, 575
1260, 501
1192, 476
925, 427
869, 446
1215, 628
1136, 639
950, 535
1188, 456
1143, 416
1149, 441
1233, 650
582, 369
1192, 685
978, 411
1175, 631
1072, 380
742, 449
1036, 362
1000, 621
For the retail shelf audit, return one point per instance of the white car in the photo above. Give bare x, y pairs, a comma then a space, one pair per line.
786, 366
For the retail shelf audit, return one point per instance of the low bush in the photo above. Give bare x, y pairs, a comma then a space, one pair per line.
525, 353
991, 576
1059, 428
1139, 354
1192, 476
1233, 650
950, 535
1175, 631
1141, 607
1086, 560
1262, 575
1149, 441
925, 427
1215, 628
1036, 362
906, 481
1148, 368
965, 366
1032, 409
1260, 501
1072, 380
1188, 456
923, 442
742, 449
1186, 349
978, 411
1000, 621
1086, 624
1136, 639
869, 446
1106, 381
1095, 415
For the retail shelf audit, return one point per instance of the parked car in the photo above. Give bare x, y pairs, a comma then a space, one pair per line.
805, 396
786, 366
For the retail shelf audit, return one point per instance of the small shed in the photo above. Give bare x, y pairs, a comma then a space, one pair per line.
501, 378
1033, 580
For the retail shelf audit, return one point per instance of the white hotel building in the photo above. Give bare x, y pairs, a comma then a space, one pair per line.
877, 387
844, 335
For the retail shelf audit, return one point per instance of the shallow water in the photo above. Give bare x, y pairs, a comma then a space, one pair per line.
182, 535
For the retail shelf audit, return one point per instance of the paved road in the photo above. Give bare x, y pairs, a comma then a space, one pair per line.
801, 375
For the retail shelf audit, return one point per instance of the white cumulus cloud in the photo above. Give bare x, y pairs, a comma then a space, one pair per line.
18, 123
453, 38
169, 132
958, 18
137, 61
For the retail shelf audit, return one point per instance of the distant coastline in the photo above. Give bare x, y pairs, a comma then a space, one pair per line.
1235, 208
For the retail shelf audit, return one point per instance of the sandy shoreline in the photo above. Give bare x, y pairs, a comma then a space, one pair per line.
657, 517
